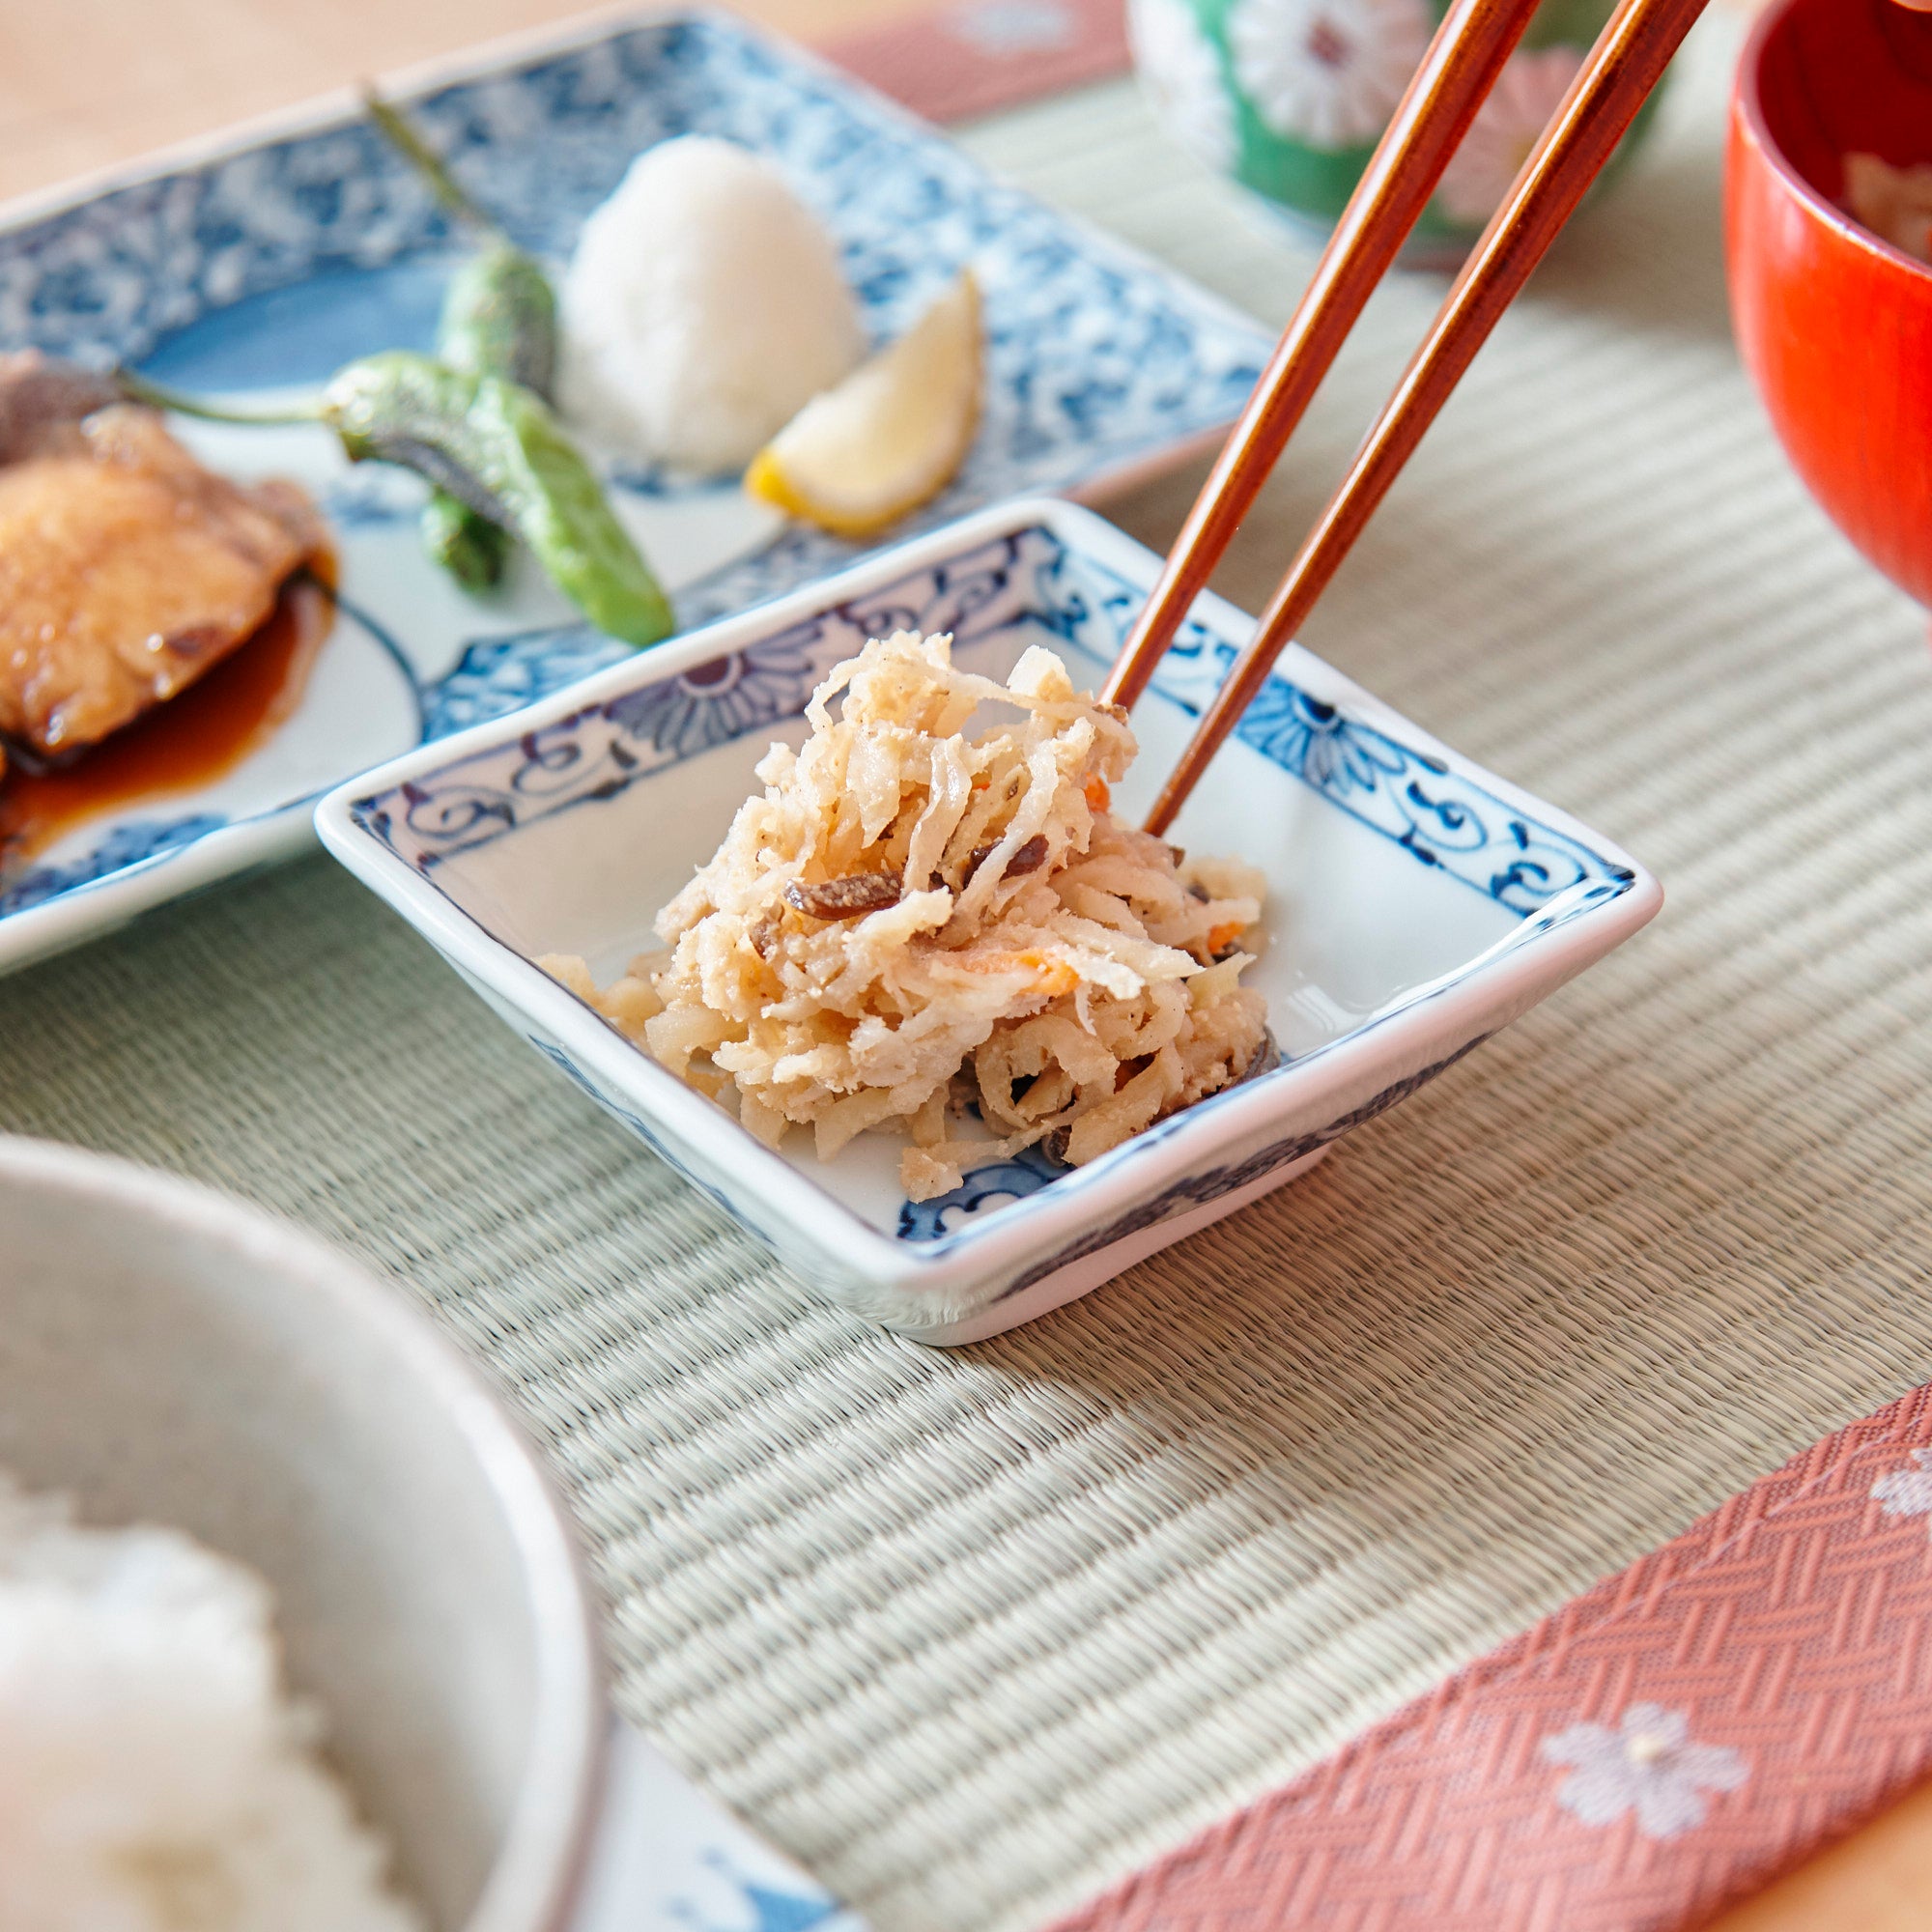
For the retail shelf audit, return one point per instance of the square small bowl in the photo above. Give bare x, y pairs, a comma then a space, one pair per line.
1417, 904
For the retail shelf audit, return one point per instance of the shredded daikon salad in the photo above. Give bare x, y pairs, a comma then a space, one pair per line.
910, 923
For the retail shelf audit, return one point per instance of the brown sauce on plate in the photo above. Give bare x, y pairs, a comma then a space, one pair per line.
195, 738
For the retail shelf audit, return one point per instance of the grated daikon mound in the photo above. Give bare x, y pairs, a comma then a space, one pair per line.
703, 308
909, 920
154, 1777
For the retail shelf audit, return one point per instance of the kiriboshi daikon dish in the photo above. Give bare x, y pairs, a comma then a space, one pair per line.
917, 920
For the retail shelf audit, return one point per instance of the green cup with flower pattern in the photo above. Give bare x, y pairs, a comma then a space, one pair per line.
1290, 97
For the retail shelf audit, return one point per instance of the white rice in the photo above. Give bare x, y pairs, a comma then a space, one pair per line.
154, 1775
703, 309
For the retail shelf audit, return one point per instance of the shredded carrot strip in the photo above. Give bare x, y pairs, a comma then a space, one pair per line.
1050, 977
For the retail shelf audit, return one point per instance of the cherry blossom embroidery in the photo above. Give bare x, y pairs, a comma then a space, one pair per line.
1907, 1491
1648, 1765
1181, 73
1505, 129
1326, 72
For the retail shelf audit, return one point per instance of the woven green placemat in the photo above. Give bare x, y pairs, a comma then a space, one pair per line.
972, 1632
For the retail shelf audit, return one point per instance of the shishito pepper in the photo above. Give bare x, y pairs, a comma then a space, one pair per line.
493, 447
497, 448
499, 318
471, 548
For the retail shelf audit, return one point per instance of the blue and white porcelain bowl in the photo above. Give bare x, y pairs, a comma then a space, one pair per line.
1416, 905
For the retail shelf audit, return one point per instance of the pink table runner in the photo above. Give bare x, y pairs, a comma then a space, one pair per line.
1667, 1742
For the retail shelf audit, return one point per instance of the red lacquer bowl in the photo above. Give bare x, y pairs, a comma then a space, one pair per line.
1835, 325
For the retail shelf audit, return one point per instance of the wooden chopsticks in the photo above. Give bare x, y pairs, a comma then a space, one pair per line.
1475, 38
1627, 62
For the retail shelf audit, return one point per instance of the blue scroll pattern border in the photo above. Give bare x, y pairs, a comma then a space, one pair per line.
1032, 582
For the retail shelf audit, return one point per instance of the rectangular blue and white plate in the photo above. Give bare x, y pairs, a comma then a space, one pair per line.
255, 266
1416, 904
665, 1857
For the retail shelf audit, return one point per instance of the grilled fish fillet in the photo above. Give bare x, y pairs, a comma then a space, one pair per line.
127, 570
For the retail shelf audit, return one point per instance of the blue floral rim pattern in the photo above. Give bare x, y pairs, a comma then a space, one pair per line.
1030, 580
141, 841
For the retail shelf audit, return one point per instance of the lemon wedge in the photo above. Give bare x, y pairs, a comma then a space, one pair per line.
890, 435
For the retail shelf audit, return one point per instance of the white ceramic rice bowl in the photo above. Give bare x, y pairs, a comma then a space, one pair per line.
169, 1356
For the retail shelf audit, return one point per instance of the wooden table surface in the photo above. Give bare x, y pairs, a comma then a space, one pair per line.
90, 83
